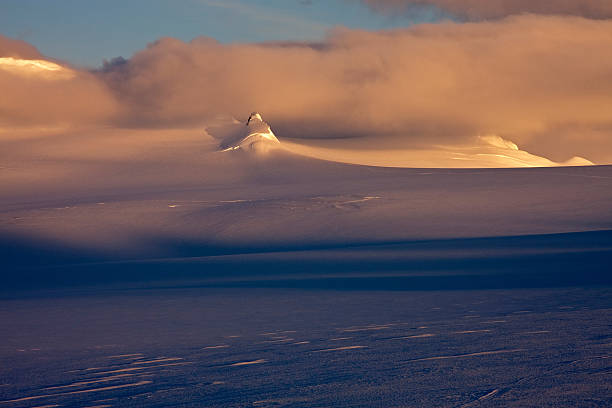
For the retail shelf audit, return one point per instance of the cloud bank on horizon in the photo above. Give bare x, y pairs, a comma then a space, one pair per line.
544, 82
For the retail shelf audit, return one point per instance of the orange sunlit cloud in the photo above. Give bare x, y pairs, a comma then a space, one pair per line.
525, 79
542, 82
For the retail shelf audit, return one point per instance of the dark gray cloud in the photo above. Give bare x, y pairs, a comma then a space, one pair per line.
486, 9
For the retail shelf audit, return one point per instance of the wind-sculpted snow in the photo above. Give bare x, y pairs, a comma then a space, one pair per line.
479, 152
255, 136
488, 151
164, 194
158, 348
129, 191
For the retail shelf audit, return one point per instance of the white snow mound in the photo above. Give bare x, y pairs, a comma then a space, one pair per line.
255, 136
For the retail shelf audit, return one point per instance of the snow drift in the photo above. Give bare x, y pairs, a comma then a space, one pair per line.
486, 151
255, 136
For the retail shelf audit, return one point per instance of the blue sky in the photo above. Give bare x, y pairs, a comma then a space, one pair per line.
85, 32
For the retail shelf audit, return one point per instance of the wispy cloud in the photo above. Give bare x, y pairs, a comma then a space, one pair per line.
268, 15
487, 9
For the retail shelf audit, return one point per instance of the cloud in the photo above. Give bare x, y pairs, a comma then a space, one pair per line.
527, 79
542, 82
39, 92
35, 68
486, 9
269, 16
17, 48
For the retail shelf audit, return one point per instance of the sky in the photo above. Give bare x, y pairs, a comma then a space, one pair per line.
87, 32
399, 74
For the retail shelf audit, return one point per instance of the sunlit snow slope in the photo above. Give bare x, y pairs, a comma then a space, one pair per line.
488, 151
83, 196
255, 136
